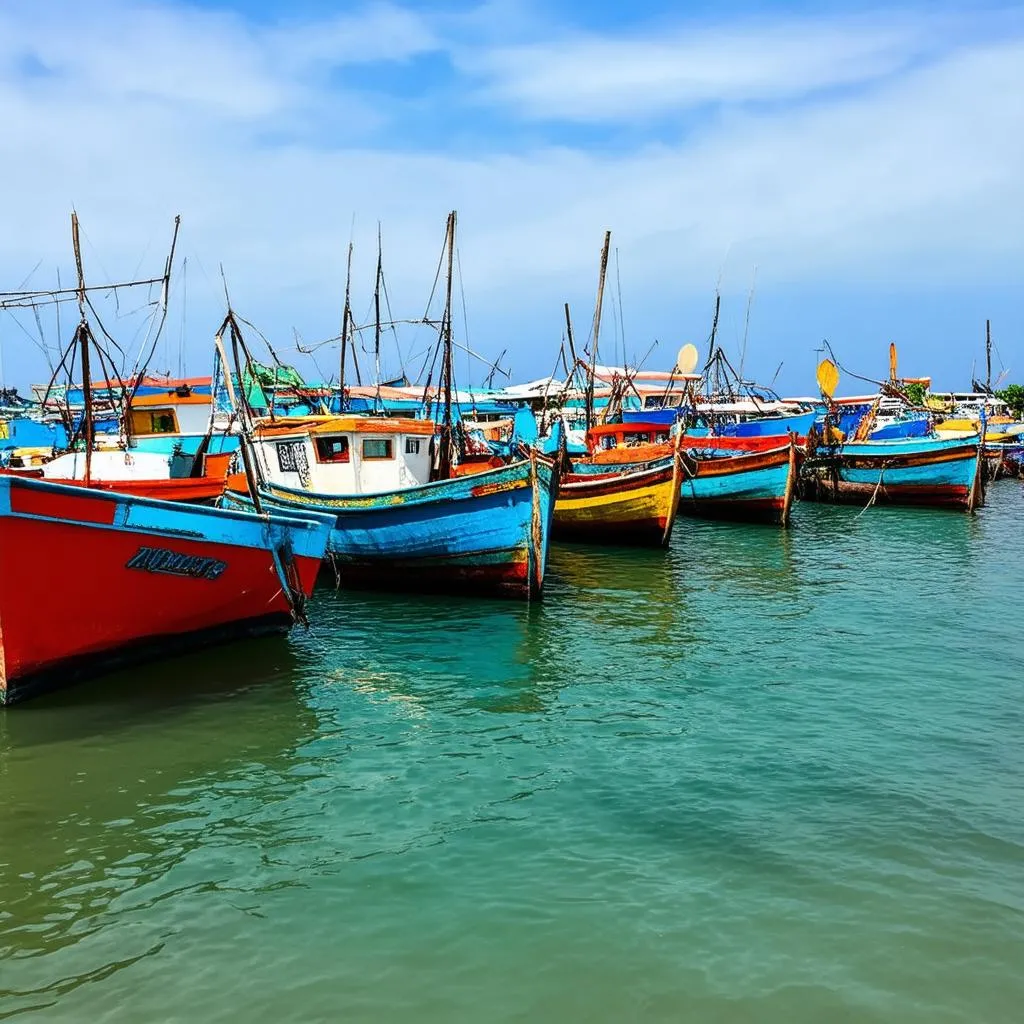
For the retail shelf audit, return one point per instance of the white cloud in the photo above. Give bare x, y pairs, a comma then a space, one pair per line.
595, 78
910, 179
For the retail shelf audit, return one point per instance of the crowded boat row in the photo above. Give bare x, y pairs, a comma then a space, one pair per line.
204, 509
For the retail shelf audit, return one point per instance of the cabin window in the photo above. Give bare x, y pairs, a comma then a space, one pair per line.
377, 448
607, 442
163, 421
661, 437
633, 438
412, 446
332, 449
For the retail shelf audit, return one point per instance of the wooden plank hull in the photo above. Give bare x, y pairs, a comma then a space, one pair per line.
159, 578
938, 473
484, 533
755, 487
638, 506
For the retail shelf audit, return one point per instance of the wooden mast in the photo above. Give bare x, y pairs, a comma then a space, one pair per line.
376, 309
345, 317
596, 330
988, 356
83, 341
445, 464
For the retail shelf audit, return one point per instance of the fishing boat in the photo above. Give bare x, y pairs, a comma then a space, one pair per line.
749, 486
394, 526
198, 478
942, 472
750, 479
623, 504
162, 578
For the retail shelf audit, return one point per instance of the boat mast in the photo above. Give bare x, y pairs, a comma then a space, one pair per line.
596, 329
376, 309
988, 356
345, 318
83, 341
445, 465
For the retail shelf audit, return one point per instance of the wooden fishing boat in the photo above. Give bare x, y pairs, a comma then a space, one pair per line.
395, 527
160, 578
755, 486
911, 471
488, 532
623, 505
198, 478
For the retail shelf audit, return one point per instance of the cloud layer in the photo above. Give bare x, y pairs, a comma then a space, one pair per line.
841, 155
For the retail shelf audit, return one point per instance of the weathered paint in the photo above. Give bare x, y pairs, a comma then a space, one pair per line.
637, 505
752, 487
914, 471
142, 578
486, 532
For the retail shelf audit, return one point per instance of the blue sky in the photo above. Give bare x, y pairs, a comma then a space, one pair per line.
867, 160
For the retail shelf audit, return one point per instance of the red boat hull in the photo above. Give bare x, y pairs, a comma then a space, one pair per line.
80, 594
196, 490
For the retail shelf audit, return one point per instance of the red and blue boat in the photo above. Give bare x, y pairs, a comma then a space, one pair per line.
144, 578
748, 486
934, 471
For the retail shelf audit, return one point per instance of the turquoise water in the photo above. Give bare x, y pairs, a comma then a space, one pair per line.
764, 776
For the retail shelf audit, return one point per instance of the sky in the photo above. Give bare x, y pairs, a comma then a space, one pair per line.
848, 172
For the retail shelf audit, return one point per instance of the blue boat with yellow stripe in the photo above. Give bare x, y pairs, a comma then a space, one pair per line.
484, 529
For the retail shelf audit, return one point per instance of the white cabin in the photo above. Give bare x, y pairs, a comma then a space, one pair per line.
345, 455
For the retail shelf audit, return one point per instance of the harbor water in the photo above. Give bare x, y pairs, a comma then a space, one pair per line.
764, 776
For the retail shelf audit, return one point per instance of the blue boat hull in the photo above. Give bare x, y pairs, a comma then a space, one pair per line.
924, 471
487, 532
750, 487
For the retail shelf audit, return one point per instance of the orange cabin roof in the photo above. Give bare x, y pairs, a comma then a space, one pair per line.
343, 425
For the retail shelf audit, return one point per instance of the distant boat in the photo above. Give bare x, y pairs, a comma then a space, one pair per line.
912, 471
621, 504
488, 531
145, 578
751, 478
752, 486
198, 478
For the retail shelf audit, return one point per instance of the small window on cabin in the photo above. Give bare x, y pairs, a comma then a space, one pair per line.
661, 437
163, 423
412, 446
632, 439
607, 442
377, 448
332, 449
286, 458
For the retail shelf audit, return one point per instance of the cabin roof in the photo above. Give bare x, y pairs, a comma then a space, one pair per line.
629, 428
169, 400
344, 425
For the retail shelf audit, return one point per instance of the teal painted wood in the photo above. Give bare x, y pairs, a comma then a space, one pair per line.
768, 483
921, 471
488, 531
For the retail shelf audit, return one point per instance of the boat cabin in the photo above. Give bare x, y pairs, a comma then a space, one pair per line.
609, 436
344, 455
170, 414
